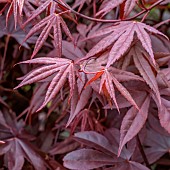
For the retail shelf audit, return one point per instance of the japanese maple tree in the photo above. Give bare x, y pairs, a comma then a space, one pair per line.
85, 84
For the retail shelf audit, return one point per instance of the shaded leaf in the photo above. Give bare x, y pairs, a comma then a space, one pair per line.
145, 69
16, 145
157, 144
164, 114
17, 33
78, 103
96, 141
130, 166
133, 122
107, 6
85, 159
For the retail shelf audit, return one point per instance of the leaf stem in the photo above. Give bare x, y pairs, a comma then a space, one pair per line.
142, 152
144, 17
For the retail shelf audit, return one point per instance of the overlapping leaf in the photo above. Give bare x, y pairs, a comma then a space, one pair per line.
133, 122
120, 72
54, 21
103, 147
30, 6
79, 100
129, 5
80, 4
16, 7
58, 68
87, 159
17, 33
110, 79
16, 146
95, 140
164, 113
145, 69
131, 165
120, 39
156, 148
90, 158
108, 5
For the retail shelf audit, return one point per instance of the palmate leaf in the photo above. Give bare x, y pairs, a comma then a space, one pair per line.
17, 145
110, 79
20, 149
60, 69
103, 146
54, 21
16, 7
125, 40
120, 38
90, 158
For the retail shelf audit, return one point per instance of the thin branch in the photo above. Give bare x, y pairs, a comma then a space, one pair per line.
145, 10
162, 23
104, 20
84, 16
142, 152
144, 17
4, 56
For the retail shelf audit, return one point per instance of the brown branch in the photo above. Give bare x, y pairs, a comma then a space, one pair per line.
104, 20
142, 152
85, 16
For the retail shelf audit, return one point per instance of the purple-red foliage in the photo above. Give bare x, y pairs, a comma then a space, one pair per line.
85, 84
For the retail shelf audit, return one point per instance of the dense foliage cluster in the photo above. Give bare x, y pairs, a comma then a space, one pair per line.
85, 84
